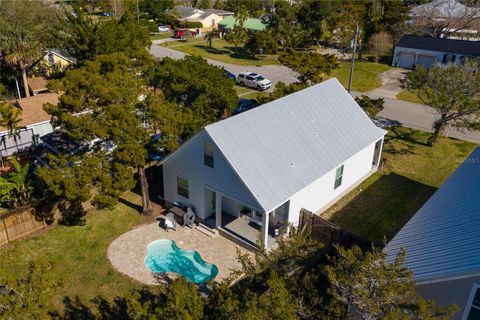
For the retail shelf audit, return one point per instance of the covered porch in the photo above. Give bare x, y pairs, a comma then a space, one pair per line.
243, 222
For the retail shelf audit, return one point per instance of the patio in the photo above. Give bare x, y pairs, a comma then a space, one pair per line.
127, 252
244, 229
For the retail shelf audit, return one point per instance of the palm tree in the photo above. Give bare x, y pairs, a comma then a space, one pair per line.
26, 29
9, 117
210, 36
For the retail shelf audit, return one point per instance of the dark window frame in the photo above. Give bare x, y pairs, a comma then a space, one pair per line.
208, 154
182, 190
339, 176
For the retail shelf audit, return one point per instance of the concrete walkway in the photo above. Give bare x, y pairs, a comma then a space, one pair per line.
391, 83
127, 252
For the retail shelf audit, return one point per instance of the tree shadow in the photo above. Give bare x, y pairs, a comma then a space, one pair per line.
212, 50
378, 212
400, 134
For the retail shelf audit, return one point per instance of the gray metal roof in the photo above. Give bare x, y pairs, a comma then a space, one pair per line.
442, 239
283, 146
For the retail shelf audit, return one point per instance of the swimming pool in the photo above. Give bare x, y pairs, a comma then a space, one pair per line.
164, 256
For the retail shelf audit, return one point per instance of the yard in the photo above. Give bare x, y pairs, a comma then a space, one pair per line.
79, 253
161, 36
379, 207
365, 75
221, 51
409, 96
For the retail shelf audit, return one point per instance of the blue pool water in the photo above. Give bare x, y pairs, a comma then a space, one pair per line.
164, 256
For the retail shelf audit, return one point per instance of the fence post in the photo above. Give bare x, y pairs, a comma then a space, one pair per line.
6, 230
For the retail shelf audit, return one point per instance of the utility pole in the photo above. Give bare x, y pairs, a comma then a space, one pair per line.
352, 64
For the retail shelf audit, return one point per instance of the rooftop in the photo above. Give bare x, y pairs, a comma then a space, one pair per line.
32, 108
251, 23
442, 239
465, 47
37, 84
294, 141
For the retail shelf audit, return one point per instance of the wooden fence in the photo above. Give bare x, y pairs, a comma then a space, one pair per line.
18, 224
329, 233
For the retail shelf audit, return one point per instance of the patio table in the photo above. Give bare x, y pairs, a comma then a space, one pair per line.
178, 212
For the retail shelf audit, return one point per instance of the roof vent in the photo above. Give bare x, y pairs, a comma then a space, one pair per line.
313, 119
292, 164
315, 134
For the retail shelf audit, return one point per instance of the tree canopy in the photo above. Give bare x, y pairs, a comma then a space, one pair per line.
27, 28
453, 91
312, 67
200, 91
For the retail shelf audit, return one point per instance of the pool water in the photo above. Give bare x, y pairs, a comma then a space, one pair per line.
164, 256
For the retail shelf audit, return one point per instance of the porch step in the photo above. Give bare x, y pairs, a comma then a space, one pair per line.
238, 239
212, 233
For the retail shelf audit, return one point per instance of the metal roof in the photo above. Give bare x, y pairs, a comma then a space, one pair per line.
442, 239
279, 148
465, 47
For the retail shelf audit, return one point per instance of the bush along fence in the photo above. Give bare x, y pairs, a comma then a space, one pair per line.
19, 223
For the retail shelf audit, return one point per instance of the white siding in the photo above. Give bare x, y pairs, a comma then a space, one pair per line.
42, 128
321, 192
188, 163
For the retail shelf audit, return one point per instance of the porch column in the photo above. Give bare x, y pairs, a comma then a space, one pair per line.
218, 210
265, 219
380, 148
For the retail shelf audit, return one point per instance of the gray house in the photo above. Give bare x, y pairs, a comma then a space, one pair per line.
442, 242
257, 170
412, 50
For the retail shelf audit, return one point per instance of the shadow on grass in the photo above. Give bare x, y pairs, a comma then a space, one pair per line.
212, 50
409, 138
383, 208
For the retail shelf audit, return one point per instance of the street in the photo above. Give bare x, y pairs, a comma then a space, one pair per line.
411, 115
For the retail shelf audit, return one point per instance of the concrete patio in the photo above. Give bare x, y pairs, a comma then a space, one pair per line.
127, 252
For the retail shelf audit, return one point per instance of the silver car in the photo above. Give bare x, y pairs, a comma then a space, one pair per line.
253, 80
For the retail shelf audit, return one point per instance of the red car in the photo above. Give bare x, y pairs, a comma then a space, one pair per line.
180, 33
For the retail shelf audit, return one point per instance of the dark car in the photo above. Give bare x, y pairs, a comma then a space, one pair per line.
229, 75
107, 14
245, 105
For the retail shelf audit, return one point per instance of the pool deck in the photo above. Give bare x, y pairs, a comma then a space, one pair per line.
127, 252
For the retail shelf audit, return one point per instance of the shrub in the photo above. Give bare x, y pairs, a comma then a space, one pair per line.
369, 105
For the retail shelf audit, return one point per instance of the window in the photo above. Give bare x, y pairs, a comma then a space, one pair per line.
474, 303
338, 177
208, 154
51, 59
182, 187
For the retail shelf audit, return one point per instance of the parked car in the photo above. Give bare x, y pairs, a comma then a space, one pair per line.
229, 75
245, 105
107, 14
180, 33
164, 29
253, 80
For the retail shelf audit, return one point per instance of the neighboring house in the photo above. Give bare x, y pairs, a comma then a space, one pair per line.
251, 24
442, 242
208, 17
36, 123
424, 50
54, 60
37, 85
461, 22
261, 167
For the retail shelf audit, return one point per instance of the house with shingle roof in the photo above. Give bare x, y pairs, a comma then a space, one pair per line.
257, 170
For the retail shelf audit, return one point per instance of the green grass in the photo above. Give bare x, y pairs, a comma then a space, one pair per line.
221, 51
365, 75
409, 96
382, 204
162, 35
79, 253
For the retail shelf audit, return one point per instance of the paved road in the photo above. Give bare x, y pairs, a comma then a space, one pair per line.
412, 115
274, 73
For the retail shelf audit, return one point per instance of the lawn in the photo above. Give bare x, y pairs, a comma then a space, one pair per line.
365, 75
162, 35
380, 206
221, 51
409, 96
79, 253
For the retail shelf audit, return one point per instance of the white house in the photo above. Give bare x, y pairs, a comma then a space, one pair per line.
259, 168
424, 50
442, 242
209, 18
34, 119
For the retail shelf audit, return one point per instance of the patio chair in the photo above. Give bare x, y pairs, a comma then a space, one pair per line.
189, 217
170, 222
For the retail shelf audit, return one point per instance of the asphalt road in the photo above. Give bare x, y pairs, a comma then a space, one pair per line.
411, 115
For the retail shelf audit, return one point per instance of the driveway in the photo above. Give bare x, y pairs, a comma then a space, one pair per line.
391, 83
274, 73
